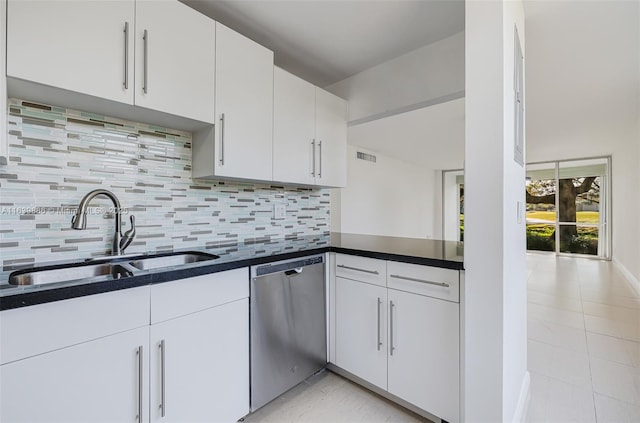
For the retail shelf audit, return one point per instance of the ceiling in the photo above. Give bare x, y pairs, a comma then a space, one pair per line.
327, 41
582, 76
431, 137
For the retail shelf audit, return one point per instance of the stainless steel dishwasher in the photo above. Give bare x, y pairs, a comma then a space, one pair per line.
288, 325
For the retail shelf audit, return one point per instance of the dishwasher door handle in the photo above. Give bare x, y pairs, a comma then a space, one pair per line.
294, 272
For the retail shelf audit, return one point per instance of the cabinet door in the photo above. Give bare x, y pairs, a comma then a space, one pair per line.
4, 141
331, 139
175, 59
96, 381
80, 46
205, 374
294, 105
244, 107
424, 364
361, 341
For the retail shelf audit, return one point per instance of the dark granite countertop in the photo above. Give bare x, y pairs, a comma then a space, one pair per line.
437, 253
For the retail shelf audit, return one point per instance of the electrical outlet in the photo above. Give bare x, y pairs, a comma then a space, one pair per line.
279, 211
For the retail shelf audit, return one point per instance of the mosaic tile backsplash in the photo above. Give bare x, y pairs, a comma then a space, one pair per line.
58, 155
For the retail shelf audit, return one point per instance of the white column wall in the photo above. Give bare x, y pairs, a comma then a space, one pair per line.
495, 286
515, 379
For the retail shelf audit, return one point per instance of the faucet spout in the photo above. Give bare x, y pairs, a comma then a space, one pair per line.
79, 220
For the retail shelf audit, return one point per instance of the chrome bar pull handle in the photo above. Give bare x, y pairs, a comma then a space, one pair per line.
406, 278
126, 56
163, 402
373, 272
379, 336
145, 82
140, 363
313, 158
221, 158
391, 346
320, 159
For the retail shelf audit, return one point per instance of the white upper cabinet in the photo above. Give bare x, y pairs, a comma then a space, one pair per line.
159, 55
309, 133
175, 59
294, 126
331, 139
81, 46
244, 107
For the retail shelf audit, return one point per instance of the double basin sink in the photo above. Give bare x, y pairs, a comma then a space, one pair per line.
118, 267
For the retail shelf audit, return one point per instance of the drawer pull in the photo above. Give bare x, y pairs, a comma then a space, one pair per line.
140, 363
163, 401
406, 278
372, 272
126, 56
392, 347
379, 337
145, 82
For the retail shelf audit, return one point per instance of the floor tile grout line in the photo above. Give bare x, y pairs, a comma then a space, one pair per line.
584, 321
559, 347
555, 379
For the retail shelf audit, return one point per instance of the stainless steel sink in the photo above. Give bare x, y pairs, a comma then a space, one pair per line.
171, 260
66, 274
115, 266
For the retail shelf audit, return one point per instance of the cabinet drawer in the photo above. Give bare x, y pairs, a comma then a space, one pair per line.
178, 298
424, 280
361, 269
28, 331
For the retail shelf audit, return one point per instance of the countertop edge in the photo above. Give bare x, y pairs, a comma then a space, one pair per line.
24, 299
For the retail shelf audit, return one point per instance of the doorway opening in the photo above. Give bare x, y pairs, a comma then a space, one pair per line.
453, 205
568, 207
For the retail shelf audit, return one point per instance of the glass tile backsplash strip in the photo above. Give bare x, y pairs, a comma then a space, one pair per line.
57, 155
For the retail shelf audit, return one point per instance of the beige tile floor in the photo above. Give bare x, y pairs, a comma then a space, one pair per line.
329, 398
584, 341
584, 355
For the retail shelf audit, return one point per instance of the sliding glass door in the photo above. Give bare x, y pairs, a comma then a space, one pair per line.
568, 207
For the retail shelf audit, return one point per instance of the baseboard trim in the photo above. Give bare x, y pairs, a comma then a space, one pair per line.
635, 283
523, 401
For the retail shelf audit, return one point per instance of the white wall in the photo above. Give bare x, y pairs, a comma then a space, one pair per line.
451, 205
389, 197
515, 378
582, 101
406, 82
495, 283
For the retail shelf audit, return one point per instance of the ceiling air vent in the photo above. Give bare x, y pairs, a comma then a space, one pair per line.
367, 157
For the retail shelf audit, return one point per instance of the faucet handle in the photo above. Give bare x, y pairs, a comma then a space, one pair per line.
128, 235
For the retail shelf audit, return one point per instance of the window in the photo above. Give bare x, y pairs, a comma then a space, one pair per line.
568, 207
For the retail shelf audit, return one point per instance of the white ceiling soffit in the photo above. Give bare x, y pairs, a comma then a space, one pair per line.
327, 41
432, 137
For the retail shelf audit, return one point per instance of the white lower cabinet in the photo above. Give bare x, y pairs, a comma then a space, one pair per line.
361, 330
98, 359
424, 358
200, 366
105, 380
405, 341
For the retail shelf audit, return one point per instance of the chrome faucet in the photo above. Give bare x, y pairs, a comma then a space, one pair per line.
120, 242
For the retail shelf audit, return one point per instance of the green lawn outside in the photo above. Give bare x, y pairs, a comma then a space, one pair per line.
582, 216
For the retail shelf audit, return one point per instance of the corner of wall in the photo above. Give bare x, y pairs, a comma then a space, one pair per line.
520, 415
633, 280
